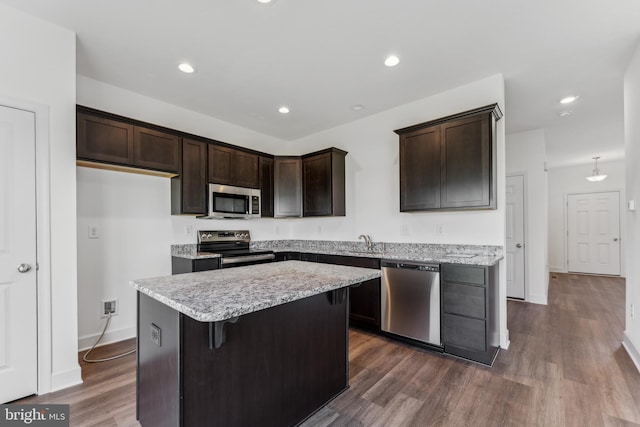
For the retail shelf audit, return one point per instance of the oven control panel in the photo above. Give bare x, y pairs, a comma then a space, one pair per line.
206, 236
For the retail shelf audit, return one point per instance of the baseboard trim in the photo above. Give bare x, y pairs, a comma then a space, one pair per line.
537, 299
633, 352
555, 269
60, 380
86, 342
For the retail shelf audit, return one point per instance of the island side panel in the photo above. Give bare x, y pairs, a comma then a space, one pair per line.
276, 367
158, 381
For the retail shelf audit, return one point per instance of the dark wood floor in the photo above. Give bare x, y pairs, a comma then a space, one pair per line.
565, 367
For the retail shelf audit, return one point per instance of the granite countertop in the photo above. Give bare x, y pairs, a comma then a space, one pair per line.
216, 295
432, 253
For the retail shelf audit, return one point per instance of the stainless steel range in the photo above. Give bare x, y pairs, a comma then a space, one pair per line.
234, 246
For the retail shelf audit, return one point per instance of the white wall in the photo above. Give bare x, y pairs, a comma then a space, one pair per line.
132, 215
632, 180
372, 186
526, 155
571, 180
38, 65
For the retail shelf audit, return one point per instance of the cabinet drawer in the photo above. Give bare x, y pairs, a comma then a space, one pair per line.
474, 275
352, 261
464, 332
464, 300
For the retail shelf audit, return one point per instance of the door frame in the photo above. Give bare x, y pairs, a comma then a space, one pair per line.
43, 239
621, 223
525, 221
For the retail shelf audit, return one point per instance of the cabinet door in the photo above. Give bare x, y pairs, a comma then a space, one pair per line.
420, 169
364, 303
316, 180
287, 184
266, 185
104, 140
194, 177
156, 150
466, 175
220, 160
244, 169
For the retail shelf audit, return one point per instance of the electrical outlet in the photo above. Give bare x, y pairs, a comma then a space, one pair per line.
405, 230
439, 230
188, 230
109, 307
94, 232
156, 334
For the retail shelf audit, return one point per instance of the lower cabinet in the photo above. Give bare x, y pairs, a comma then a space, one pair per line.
469, 309
181, 265
364, 299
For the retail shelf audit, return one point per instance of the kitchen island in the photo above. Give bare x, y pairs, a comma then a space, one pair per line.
260, 345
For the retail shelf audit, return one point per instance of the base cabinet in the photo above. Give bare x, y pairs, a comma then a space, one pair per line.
364, 299
267, 372
469, 309
181, 265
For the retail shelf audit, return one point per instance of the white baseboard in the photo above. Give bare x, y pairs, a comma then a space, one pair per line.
60, 380
86, 342
504, 340
633, 352
556, 269
537, 299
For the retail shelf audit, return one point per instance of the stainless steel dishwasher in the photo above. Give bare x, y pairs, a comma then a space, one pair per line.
410, 300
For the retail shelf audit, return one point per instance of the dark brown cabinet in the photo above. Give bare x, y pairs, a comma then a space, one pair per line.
364, 299
287, 183
104, 140
181, 265
189, 189
323, 181
233, 167
469, 310
109, 139
450, 163
265, 165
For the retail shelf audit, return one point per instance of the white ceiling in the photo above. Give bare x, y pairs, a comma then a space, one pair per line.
322, 57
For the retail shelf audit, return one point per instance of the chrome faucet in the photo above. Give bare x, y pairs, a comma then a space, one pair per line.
367, 240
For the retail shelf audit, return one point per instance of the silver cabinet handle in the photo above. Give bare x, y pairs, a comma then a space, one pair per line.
518, 245
23, 268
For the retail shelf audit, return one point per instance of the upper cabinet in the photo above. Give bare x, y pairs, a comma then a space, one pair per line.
110, 139
233, 167
265, 164
287, 186
323, 183
189, 189
450, 163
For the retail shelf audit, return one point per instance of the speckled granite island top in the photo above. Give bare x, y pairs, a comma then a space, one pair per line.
216, 295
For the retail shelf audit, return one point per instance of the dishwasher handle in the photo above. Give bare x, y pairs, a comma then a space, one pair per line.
410, 266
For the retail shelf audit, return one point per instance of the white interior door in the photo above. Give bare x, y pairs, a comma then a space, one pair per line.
515, 236
18, 328
593, 225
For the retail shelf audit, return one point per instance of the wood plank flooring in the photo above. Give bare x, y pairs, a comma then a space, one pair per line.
565, 367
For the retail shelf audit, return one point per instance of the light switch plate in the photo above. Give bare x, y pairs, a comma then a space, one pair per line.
632, 205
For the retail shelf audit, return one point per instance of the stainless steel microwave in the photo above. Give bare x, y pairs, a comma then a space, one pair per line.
226, 201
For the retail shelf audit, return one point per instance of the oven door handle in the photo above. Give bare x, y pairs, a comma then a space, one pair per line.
239, 259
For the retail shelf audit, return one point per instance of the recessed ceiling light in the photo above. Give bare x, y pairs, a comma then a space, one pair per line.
357, 107
186, 68
391, 61
283, 110
568, 99
265, 1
